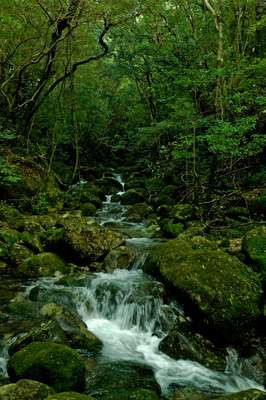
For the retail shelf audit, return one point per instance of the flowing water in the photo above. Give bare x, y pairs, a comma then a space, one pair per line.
126, 310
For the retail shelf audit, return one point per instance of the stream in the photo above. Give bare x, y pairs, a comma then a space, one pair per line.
126, 310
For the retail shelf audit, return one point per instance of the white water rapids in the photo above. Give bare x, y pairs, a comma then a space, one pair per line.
125, 310
126, 326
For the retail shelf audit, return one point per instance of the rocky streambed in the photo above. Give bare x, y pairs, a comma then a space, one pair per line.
107, 308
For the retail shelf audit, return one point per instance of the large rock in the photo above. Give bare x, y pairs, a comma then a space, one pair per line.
133, 196
138, 212
82, 240
54, 364
122, 257
254, 246
221, 292
25, 389
11, 216
83, 192
61, 326
192, 346
108, 380
42, 265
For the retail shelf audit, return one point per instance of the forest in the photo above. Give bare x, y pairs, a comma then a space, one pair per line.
132, 199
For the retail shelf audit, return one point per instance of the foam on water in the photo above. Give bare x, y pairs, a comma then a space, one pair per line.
127, 328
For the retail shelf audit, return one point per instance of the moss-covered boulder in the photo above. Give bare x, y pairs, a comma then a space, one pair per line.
42, 265
171, 229
81, 240
109, 185
254, 246
138, 212
69, 396
122, 257
73, 327
251, 394
18, 253
182, 212
25, 389
88, 209
56, 365
133, 196
221, 292
11, 216
83, 192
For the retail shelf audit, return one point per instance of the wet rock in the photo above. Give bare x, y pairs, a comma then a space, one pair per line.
122, 257
222, 293
133, 196
106, 379
47, 331
82, 240
62, 327
251, 394
254, 246
74, 328
69, 396
42, 265
44, 295
25, 389
76, 279
192, 346
110, 185
138, 212
56, 365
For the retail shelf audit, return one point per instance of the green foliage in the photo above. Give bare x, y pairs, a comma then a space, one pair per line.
8, 172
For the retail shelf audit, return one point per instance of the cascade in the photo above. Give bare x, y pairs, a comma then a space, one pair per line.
126, 310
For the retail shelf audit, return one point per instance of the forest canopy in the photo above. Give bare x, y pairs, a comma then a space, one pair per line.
179, 83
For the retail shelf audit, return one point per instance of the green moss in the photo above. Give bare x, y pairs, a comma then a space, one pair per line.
254, 246
25, 389
11, 215
43, 264
88, 209
225, 291
56, 365
182, 212
171, 229
69, 396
